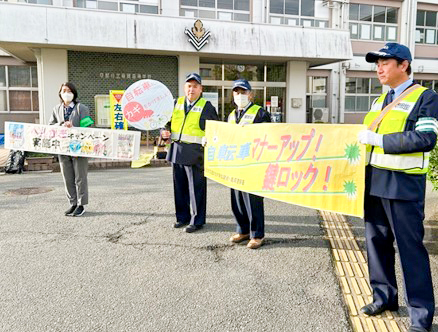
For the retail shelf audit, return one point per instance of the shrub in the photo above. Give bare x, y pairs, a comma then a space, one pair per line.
37, 154
433, 168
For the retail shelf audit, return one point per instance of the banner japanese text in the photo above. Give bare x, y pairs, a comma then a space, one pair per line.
313, 165
118, 121
75, 141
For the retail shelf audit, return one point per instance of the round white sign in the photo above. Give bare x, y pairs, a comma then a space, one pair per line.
147, 104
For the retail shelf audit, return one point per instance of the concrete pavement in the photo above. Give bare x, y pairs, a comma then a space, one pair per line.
122, 267
431, 242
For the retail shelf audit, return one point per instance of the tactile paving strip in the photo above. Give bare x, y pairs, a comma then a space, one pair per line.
352, 271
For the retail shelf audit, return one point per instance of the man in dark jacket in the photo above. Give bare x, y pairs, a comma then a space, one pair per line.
402, 129
186, 154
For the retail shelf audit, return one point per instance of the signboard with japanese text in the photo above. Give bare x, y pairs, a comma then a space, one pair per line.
147, 104
118, 121
313, 165
75, 141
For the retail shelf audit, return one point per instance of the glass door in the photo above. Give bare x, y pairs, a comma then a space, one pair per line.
229, 106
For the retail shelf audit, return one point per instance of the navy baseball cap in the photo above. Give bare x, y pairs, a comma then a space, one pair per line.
390, 51
241, 83
194, 76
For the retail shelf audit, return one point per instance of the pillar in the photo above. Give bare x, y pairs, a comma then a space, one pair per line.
186, 64
52, 66
296, 91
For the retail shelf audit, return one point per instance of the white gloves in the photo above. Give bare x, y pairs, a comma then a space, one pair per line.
370, 137
204, 140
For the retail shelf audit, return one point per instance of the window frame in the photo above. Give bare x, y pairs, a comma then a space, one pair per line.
423, 29
216, 11
300, 20
362, 26
94, 4
434, 83
31, 89
369, 94
311, 92
262, 85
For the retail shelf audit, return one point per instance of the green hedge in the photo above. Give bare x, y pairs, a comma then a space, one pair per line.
38, 154
433, 168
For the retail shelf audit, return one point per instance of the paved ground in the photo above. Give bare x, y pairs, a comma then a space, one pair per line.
431, 242
122, 267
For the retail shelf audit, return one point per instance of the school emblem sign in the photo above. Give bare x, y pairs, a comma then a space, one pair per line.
198, 36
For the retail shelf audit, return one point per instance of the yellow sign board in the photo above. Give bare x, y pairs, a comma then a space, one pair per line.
118, 121
320, 166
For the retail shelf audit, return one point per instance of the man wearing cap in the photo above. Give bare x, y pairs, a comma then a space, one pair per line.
186, 154
402, 129
248, 209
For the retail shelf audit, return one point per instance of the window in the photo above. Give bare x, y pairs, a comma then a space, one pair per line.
373, 22
227, 10
248, 72
275, 72
268, 82
430, 84
18, 89
268, 72
295, 12
426, 30
41, 2
128, 6
360, 92
317, 90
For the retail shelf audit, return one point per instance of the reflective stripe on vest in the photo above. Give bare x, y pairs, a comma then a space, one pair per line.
247, 118
393, 122
185, 127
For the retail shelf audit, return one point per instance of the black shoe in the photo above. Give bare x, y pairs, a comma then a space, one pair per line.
180, 224
193, 228
79, 211
418, 329
70, 211
374, 310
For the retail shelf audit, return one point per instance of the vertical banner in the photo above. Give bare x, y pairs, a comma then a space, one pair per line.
313, 165
118, 121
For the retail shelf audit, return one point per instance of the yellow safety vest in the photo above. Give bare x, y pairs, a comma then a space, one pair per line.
394, 122
185, 127
247, 118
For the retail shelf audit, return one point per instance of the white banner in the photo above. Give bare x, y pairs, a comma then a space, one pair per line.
75, 141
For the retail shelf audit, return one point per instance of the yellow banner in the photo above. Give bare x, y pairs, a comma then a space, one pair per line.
313, 165
118, 121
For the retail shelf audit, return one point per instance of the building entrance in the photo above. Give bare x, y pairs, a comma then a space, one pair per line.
268, 83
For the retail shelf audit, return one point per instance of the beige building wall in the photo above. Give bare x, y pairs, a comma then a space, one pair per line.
186, 64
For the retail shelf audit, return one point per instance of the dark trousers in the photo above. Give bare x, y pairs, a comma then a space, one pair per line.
387, 220
190, 190
249, 213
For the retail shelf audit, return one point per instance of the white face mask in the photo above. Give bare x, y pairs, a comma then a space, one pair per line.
67, 96
241, 100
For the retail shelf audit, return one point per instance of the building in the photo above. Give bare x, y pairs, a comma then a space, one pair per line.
304, 58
